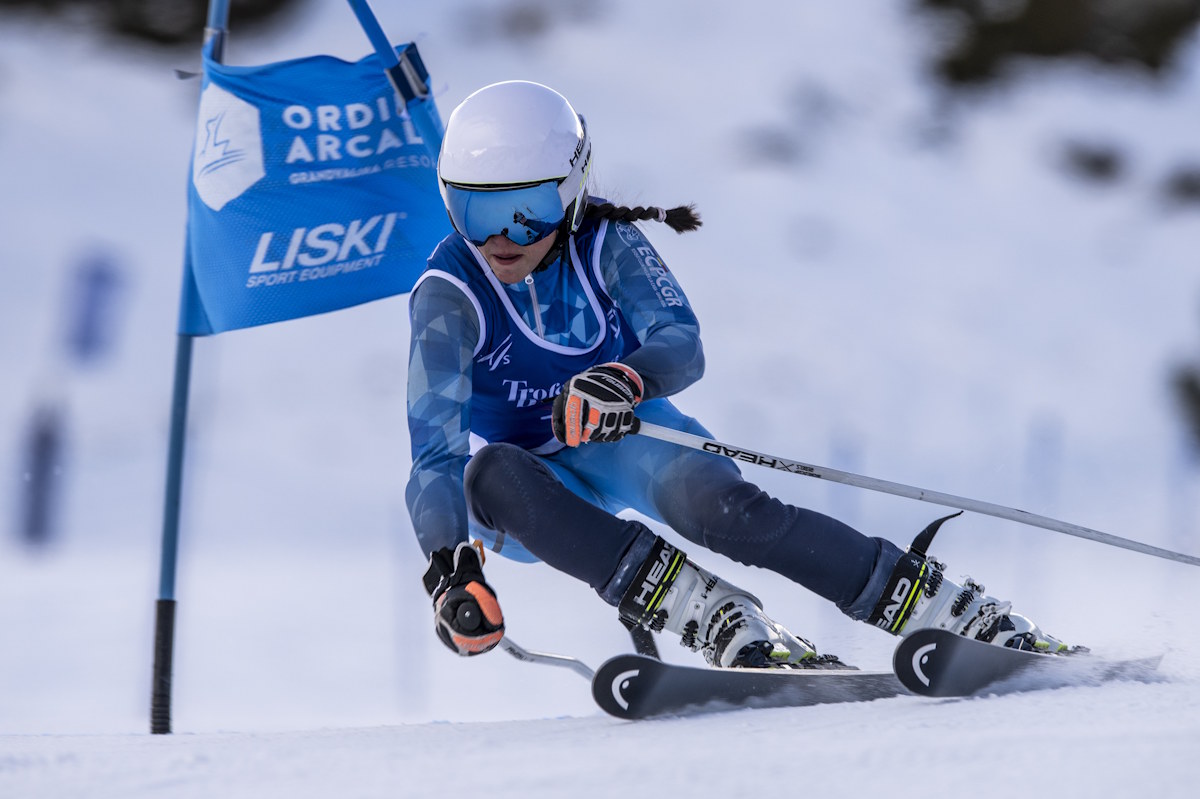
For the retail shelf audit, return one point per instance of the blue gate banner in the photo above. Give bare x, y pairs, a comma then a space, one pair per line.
311, 189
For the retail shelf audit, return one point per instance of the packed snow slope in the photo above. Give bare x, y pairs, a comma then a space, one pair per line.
885, 288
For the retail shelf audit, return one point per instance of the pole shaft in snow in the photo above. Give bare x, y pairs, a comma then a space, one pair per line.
164, 609
164, 612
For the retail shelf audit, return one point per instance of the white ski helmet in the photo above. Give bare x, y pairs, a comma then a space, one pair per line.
514, 162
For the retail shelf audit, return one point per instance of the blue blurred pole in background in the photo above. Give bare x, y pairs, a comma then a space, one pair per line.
41, 475
88, 323
93, 308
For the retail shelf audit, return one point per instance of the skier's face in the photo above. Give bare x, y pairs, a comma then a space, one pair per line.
511, 262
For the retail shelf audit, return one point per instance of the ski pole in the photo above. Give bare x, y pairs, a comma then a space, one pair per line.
545, 658
900, 490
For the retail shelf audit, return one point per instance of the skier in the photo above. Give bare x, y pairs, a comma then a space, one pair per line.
539, 326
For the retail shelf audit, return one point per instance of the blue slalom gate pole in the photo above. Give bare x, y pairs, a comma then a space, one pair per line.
406, 72
410, 80
164, 610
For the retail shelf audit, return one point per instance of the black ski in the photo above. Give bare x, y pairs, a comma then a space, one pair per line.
637, 687
927, 662
939, 663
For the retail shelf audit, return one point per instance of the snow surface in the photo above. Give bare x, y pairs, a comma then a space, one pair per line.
923, 299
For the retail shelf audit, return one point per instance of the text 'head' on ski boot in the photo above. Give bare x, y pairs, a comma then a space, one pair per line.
725, 623
917, 595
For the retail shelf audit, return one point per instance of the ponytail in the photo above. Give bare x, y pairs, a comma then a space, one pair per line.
681, 219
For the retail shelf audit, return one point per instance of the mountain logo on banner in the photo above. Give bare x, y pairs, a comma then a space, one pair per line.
229, 155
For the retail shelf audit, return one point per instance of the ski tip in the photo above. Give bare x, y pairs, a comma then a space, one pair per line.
622, 683
942, 664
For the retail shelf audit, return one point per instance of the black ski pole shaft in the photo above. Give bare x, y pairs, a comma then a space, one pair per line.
899, 489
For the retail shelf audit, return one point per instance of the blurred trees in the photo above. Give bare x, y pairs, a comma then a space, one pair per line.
985, 36
165, 22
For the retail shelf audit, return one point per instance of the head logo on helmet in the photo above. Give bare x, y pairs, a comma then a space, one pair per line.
514, 162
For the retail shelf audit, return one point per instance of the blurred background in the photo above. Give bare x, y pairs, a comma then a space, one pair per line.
951, 243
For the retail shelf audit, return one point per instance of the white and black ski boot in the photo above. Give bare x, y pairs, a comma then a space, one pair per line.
918, 595
711, 615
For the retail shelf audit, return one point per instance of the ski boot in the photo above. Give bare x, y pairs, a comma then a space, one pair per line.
918, 595
710, 615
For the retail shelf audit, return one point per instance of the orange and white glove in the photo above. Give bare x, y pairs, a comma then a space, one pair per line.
597, 405
466, 614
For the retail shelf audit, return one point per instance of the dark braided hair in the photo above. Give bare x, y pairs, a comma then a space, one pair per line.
681, 219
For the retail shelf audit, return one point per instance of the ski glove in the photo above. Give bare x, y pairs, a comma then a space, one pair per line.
466, 614
597, 405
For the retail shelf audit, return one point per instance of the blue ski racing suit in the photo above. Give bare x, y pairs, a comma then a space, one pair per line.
486, 360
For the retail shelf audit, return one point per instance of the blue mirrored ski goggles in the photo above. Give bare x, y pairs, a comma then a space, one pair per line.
524, 214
